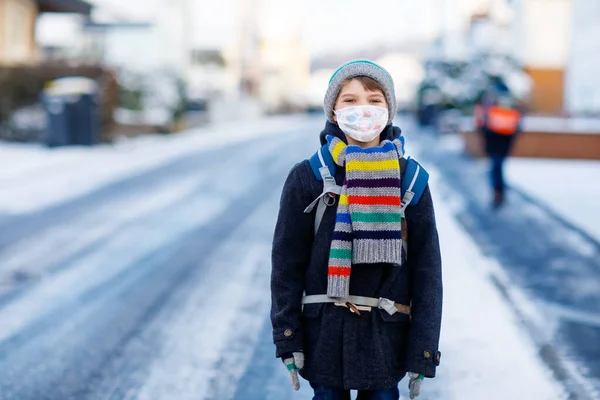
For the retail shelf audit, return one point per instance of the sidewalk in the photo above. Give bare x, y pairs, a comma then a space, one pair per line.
545, 262
486, 352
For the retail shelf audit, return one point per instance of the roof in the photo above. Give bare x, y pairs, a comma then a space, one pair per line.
106, 26
65, 6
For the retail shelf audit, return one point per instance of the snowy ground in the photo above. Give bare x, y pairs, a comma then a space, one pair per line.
146, 276
571, 188
548, 262
34, 177
484, 343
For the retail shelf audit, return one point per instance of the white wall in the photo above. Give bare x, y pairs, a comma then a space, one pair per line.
406, 70
284, 62
285, 73
542, 32
461, 39
134, 49
583, 71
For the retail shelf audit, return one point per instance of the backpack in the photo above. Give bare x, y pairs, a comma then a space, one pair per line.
414, 181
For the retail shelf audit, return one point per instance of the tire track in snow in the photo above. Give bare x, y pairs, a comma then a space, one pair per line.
28, 260
24, 227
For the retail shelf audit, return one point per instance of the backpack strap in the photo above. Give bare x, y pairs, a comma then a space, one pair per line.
323, 167
320, 159
414, 182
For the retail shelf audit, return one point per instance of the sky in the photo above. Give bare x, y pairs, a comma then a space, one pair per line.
324, 25
346, 24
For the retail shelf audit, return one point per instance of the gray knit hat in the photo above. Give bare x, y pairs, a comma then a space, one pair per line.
353, 69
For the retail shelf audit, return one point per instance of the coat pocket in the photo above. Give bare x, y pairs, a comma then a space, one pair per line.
395, 332
312, 317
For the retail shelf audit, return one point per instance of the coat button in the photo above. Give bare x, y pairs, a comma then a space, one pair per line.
438, 355
427, 354
288, 333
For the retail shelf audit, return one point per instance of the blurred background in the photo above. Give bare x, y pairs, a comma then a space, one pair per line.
165, 65
144, 145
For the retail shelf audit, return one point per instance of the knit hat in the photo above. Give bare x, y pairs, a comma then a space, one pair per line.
352, 70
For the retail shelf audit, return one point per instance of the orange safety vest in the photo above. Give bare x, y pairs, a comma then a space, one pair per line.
503, 121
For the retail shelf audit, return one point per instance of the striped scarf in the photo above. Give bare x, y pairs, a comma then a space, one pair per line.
368, 221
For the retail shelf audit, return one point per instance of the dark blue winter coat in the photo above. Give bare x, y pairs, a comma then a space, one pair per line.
343, 350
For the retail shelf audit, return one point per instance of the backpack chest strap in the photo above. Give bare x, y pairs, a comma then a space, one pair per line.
330, 190
365, 303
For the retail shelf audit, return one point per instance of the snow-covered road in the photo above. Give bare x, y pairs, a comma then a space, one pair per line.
154, 284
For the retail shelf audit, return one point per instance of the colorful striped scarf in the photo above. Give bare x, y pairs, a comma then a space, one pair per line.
368, 221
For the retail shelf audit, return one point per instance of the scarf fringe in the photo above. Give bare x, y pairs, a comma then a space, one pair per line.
376, 251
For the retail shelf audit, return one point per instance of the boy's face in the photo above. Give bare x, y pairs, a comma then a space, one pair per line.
354, 94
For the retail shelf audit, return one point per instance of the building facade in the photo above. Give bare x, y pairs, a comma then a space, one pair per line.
17, 31
582, 84
17, 26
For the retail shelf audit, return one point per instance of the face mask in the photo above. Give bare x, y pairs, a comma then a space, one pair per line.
362, 123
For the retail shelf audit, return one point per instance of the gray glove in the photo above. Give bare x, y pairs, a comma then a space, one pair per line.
293, 364
414, 385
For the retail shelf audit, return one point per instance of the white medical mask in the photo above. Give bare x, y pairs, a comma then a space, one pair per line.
362, 123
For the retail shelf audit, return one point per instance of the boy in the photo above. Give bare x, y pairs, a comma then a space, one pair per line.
357, 303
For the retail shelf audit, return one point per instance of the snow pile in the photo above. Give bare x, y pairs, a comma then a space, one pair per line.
571, 188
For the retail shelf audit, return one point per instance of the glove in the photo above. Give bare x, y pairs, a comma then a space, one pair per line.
294, 362
414, 385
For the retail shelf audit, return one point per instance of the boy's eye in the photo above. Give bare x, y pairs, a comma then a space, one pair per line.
348, 100
376, 100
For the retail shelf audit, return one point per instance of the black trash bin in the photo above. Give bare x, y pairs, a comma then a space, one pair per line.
71, 108
56, 133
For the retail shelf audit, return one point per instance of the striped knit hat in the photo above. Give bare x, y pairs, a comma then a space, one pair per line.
352, 70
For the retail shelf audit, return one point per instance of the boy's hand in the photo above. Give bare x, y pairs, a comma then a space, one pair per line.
294, 362
414, 385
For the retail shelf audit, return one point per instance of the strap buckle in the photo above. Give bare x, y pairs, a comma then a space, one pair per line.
387, 305
329, 199
354, 309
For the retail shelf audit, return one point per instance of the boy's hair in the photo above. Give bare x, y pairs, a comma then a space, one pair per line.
367, 83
